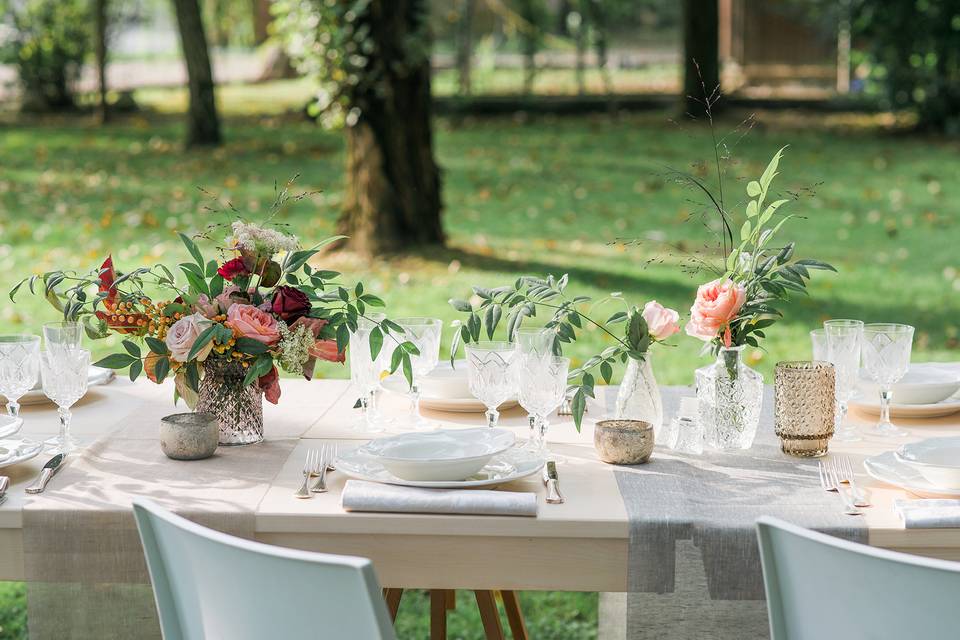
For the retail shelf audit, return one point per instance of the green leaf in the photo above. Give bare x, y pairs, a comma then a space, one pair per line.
344, 294
461, 305
816, 264
407, 368
132, 348
373, 301
205, 336
135, 370
192, 248
192, 376
752, 209
771, 171
619, 316
395, 359
753, 189
343, 337
260, 367
250, 346
197, 283
745, 230
376, 342
578, 406
606, 371
494, 313
156, 345
161, 369
116, 361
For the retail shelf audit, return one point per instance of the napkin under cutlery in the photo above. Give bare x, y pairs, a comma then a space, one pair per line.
929, 514
360, 495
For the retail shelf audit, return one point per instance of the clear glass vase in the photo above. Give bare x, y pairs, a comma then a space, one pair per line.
729, 396
639, 395
238, 408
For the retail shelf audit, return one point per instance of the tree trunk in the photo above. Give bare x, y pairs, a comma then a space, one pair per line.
529, 43
465, 46
100, 52
392, 196
203, 123
701, 44
261, 21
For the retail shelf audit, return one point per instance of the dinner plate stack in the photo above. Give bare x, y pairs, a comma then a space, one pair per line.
928, 390
445, 458
929, 467
444, 389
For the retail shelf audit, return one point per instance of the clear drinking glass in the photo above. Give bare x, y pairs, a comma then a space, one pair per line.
843, 351
492, 374
886, 357
64, 336
425, 334
542, 386
19, 368
818, 340
365, 372
64, 381
535, 340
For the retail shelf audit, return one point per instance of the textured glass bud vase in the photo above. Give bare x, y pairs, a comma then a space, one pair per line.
238, 408
639, 395
729, 396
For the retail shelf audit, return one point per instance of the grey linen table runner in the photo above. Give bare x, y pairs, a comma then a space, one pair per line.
82, 554
692, 530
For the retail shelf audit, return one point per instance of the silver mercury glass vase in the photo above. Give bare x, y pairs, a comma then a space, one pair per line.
639, 396
729, 397
238, 407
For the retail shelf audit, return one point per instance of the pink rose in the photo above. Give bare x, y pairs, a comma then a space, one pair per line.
205, 306
224, 300
717, 303
661, 322
253, 323
183, 333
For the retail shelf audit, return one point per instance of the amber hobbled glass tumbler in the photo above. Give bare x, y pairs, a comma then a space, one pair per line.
804, 407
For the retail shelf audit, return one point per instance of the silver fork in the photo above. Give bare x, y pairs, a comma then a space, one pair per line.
308, 465
321, 464
830, 482
845, 471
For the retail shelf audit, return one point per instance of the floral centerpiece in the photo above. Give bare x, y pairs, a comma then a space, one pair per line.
736, 308
639, 396
224, 333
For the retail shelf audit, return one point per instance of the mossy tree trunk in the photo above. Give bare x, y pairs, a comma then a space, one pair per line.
203, 122
701, 53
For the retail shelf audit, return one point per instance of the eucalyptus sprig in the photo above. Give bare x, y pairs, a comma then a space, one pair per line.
522, 300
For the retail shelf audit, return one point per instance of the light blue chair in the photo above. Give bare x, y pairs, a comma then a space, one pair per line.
211, 585
819, 586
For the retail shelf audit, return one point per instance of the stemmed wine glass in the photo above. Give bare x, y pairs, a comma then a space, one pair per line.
60, 337
19, 368
543, 387
535, 340
843, 351
492, 374
424, 333
64, 378
818, 339
886, 358
365, 373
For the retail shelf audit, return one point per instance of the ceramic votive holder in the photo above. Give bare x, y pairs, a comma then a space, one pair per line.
623, 441
804, 407
189, 436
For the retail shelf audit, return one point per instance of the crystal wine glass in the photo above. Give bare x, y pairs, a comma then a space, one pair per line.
818, 340
492, 374
543, 386
425, 334
535, 340
886, 358
64, 381
63, 336
843, 351
365, 373
19, 368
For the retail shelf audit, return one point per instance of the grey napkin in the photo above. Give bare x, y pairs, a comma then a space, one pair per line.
929, 514
359, 495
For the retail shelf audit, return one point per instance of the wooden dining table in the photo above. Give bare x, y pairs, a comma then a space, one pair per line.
580, 545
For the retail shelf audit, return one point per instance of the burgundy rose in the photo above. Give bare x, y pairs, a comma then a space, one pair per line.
233, 268
290, 304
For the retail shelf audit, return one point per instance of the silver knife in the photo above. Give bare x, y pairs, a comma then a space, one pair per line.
49, 470
4, 483
552, 481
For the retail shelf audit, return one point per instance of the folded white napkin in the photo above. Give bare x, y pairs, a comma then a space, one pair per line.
929, 514
360, 495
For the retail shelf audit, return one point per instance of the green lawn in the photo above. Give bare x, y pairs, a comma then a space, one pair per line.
547, 195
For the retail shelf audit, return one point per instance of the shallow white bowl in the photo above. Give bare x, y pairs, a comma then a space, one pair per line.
924, 383
447, 381
439, 456
936, 459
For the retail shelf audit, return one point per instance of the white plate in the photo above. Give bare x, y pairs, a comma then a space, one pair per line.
97, 376
936, 459
443, 455
16, 451
940, 409
447, 381
467, 404
925, 383
886, 468
512, 464
9, 425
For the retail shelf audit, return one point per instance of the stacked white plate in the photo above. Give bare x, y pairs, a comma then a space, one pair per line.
444, 389
930, 467
928, 390
445, 458
96, 376
16, 451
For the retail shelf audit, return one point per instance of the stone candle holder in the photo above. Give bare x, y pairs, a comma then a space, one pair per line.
189, 436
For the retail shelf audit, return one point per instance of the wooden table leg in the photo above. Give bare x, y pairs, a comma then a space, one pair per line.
438, 614
392, 596
487, 604
511, 605
451, 599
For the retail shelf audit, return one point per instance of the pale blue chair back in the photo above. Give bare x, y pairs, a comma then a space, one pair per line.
211, 585
819, 586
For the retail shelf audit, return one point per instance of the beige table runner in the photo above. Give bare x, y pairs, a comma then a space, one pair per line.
82, 554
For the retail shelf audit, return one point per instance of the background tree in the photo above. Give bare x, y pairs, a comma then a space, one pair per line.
701, 55
203, 122
464, 44
372, 61
533, 16
100, 13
